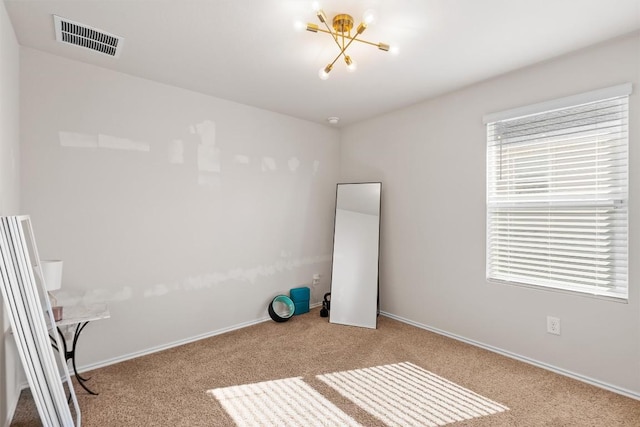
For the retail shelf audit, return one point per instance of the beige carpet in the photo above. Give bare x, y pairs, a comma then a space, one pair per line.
404, 394
170, 388
288, 403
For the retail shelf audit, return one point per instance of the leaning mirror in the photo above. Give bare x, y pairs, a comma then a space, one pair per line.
354, 270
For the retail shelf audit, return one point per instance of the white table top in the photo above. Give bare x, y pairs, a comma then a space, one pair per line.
73, 314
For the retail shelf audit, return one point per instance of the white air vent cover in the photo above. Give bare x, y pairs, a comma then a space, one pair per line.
88, 37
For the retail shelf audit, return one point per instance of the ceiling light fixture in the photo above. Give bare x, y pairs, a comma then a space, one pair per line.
341, 33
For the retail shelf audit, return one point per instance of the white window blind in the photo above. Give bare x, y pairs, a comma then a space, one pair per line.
557, 190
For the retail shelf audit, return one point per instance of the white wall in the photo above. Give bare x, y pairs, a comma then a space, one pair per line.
10, 367
431, 161
186, 213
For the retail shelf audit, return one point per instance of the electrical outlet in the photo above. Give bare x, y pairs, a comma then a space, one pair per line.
316, 279
553, 325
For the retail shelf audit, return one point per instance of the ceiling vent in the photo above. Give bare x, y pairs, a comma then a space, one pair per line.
88, 37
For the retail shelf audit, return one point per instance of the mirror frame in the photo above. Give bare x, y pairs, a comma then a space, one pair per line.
341, 320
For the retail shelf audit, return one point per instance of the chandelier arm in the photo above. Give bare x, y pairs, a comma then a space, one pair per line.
367, 42
333, 35
336, 58
342, 51
350, 38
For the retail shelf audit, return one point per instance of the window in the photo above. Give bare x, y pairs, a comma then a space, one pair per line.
557, 193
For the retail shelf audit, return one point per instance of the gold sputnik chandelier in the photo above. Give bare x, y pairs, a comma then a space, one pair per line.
340, 31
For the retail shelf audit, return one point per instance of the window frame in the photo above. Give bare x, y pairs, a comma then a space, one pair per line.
620, 294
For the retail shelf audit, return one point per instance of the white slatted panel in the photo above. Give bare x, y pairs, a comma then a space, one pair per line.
22, 296
557, 189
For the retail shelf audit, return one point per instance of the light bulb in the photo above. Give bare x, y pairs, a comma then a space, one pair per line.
323, 73
394, 50
369, 16
351, 64
315, 6
299, 25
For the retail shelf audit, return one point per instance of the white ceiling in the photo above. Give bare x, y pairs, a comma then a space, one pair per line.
248, 51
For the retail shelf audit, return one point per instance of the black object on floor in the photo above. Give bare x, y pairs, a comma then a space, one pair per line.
326, 305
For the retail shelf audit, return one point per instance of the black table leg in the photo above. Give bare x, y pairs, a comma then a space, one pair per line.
71, 354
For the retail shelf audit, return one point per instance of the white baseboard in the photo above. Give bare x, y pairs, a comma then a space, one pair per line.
579, 377
167, 346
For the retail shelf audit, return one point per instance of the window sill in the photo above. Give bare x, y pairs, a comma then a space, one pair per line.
604, 295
